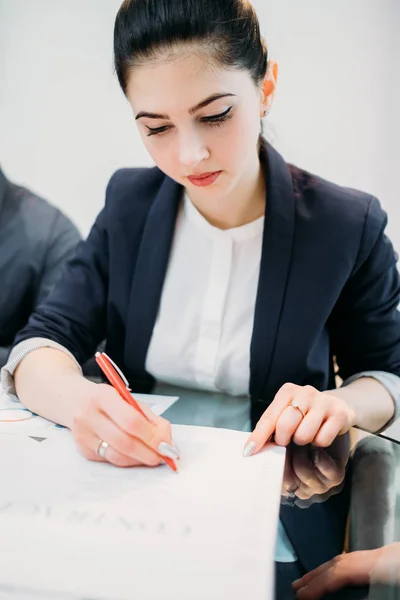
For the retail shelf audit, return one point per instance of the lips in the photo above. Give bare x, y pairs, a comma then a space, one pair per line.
202, 175
204, 178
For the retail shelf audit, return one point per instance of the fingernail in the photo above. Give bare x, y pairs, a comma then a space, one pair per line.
299, 592
249, 449
168, 450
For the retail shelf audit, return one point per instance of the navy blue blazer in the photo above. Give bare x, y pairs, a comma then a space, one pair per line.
328, 286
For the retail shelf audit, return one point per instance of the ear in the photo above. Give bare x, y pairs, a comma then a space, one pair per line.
269, 86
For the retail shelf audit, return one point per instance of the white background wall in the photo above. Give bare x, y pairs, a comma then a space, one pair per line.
65, 125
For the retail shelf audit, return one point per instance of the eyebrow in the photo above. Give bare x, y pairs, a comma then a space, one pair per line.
191, 111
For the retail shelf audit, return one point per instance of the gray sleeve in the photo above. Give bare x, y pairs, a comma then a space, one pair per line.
390, 381
61, 246
18, 354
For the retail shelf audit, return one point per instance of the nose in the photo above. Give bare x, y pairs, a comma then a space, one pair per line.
192, 150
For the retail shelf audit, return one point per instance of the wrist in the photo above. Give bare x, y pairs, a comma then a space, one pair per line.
79, 390
345, 398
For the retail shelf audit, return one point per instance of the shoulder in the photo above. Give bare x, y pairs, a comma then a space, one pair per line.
327, 198
132, 190
39, 219
341, 213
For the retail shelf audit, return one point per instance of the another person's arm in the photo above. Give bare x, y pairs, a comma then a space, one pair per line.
353, 569
73, 318
55, 244
60, 247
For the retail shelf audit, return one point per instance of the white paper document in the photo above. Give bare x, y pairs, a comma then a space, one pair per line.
73, 529
15, 418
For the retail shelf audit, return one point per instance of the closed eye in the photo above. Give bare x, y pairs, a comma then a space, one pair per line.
212, 120
217, 118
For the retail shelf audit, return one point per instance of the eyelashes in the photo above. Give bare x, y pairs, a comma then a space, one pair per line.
215, 120
221, 118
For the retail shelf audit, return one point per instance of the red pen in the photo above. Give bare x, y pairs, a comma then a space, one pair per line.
120, 384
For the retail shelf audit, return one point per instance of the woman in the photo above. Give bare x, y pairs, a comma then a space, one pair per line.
222, 268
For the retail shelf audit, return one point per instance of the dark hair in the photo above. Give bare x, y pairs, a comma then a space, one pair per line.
229, 28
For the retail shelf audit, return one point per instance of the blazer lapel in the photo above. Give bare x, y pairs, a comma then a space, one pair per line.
274, 270
149, 274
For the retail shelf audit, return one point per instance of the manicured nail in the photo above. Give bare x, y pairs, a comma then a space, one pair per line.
249, 449
168, 450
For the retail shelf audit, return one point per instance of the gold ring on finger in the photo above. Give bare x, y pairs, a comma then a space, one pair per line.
295, 405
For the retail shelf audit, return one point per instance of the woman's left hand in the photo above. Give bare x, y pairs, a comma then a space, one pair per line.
302, 415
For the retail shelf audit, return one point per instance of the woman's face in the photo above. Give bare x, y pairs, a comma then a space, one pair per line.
197, 118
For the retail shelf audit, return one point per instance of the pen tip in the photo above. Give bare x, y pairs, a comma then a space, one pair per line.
171, 464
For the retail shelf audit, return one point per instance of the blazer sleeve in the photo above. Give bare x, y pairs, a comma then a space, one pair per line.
74, 313
60, 247
365, 323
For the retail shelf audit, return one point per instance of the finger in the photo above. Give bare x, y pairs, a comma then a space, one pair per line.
305, 580
120, 460
122, 443
291, 418
328, 432
346, 569
148, 412
127, 418
306, 472
304, 492
157, 420
355, 563
89, 451
164, 427
162, 424
339, 450
266, 425
286, 425
309, 426
328, 582
326, 467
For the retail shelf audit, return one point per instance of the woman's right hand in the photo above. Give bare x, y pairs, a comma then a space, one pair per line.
104, 416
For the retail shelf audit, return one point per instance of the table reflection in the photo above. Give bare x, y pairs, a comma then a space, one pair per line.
314, 474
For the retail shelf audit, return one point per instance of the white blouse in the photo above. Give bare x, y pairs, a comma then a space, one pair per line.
201, 338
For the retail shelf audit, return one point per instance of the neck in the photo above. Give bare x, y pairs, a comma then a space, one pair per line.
244, 204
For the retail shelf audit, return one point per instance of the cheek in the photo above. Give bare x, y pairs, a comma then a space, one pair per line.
162, 154
246, 127
241, 138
